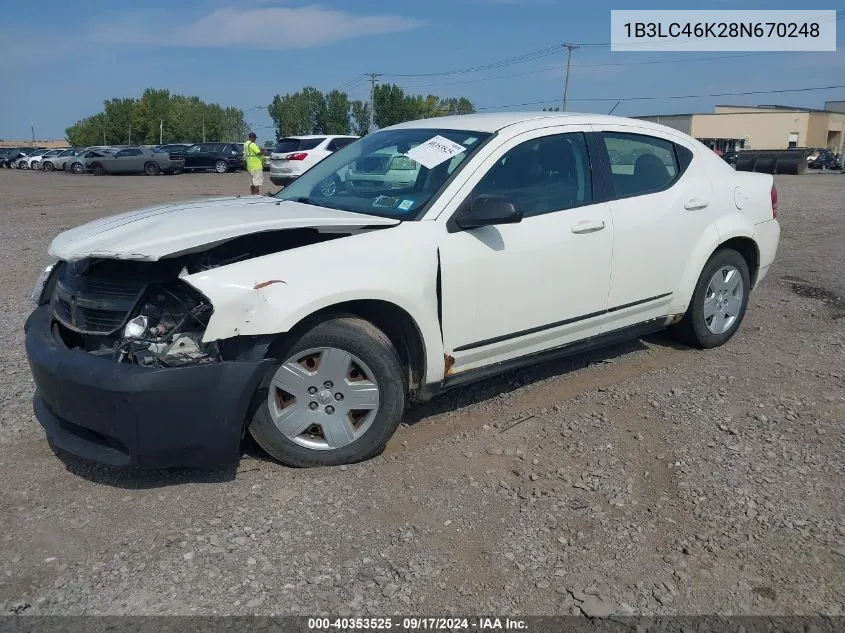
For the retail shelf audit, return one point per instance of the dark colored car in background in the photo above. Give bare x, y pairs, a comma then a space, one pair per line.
174, 148
11, 157
730, 157
825, 160
221, 157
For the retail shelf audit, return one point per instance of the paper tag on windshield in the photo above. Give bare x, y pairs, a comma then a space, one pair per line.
434, 151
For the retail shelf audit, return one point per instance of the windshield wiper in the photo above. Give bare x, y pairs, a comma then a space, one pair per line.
305, 200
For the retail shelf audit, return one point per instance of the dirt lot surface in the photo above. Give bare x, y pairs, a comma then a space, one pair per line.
648, 478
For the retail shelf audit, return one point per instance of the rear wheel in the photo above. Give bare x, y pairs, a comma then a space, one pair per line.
336, 398
152, 169
23, 165
35, 165
719, 301
98, 169
221, 166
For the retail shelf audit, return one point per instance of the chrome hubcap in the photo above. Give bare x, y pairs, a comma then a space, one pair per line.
323, 398
723, 299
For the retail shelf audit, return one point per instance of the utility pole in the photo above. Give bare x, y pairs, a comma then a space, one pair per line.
130, 132
161, 132
203, 128
104, 136
32, 129
373, 79
569, 48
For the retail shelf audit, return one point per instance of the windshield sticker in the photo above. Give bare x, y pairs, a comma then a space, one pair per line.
434, 151
385, 201
470, 140
406, 204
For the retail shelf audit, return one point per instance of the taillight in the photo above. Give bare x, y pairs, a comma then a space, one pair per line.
774, 201
299, 156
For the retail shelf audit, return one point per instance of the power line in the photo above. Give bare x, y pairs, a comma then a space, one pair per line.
521, 59
657, 98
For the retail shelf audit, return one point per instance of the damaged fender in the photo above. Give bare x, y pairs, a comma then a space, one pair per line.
271, 294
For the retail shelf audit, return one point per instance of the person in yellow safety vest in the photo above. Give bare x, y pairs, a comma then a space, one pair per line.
254, 164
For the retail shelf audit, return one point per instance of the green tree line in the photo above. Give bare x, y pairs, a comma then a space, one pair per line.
158, 116
310, 111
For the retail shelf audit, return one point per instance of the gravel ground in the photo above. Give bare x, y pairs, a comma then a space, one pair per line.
645, 479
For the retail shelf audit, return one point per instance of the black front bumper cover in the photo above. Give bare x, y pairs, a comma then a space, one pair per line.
126, 415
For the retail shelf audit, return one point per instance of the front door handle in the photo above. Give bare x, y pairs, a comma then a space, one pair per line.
694, 204
588, 226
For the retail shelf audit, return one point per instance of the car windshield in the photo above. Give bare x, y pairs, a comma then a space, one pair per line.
392, 173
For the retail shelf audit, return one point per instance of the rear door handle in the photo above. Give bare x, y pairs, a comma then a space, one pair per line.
588, 226
695, 203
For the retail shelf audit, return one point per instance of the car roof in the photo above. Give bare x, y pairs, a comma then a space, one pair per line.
495, 121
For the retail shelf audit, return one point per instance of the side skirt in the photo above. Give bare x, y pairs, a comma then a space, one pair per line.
570, 349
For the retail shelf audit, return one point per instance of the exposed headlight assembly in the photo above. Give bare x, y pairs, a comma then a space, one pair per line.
41, 283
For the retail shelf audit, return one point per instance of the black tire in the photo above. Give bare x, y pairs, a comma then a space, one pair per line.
364, 340
151, 168
48, 166
23, 164
98, 170
221, 166
77, 168
693, 329
35, 165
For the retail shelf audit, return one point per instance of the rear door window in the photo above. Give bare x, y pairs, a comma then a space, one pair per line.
641, 164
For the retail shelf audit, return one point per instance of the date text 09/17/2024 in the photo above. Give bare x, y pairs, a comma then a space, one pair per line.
416, 624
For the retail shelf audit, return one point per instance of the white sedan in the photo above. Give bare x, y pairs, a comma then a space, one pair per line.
312, 318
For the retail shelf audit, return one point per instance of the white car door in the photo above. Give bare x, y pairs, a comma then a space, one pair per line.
660, 205
513, 289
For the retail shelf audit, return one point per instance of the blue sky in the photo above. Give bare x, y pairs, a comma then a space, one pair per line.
59, 60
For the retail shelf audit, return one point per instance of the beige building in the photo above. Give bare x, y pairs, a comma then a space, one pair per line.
763, 127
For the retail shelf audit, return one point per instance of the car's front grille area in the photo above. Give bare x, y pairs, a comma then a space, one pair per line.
93, 304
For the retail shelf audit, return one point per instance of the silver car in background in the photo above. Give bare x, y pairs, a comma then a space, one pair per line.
60, 160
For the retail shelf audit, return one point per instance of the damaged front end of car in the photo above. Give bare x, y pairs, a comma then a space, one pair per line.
131, 312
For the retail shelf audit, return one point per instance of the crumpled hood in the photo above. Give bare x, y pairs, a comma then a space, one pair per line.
175, 229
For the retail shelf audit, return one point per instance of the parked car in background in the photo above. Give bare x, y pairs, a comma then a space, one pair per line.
9, 156
813, 154
161, 336
79, 164
382, 171
22, 162
36, 160
294, 155
174, 148
220, 157
730, 156
60, 160
825, 160
136, 160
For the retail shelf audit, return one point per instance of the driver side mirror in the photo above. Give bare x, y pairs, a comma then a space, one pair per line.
489, 210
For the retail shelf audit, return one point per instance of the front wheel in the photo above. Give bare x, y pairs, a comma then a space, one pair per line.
718, 302
77, 168
98, 169
23, 165
335, 398
152, 169
35, 165
48, 166
330, 186
221, 166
